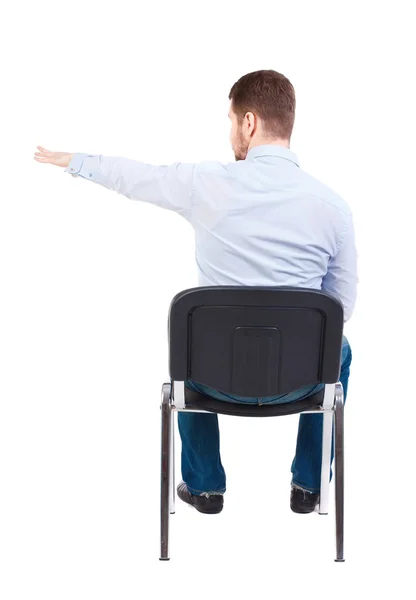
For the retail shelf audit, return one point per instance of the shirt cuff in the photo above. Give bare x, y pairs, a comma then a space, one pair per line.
75, 165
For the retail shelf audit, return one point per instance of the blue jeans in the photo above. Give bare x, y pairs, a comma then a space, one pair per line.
202, 470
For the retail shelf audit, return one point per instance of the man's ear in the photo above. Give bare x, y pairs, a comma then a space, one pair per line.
252, 122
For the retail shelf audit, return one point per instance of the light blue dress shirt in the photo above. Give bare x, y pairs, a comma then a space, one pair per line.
262, 221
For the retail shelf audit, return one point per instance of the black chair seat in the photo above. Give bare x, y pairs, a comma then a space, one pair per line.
198, 401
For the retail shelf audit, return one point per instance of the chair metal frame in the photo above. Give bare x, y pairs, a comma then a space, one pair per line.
332, 409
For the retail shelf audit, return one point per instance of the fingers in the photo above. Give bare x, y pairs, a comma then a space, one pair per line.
44, 156
43, 151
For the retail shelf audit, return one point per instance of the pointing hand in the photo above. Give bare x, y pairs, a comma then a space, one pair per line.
60, 159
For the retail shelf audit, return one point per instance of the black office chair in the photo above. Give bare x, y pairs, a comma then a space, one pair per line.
255, 341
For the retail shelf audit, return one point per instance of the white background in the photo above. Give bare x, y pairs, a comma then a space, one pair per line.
87, 277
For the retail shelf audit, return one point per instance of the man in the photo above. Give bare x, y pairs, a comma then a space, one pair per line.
260, 221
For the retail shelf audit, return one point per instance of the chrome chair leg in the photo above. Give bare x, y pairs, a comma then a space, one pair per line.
339, 472
326, 461
166, 460
172, 465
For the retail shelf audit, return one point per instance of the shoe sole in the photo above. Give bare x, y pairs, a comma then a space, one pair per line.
204, 512
214, 511
303, 512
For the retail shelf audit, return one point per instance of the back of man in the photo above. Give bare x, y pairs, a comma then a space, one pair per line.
261, 221
264, 221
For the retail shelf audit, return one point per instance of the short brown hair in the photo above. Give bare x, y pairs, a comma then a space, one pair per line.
269, 95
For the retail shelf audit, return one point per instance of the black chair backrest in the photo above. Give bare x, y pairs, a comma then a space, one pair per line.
255, 341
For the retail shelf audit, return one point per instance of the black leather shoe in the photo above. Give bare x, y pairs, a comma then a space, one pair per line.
302, 501
211, 505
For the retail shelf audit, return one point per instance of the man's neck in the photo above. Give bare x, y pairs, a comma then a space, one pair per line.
269, 142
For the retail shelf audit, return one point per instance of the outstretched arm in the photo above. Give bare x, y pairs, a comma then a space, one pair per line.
169, 187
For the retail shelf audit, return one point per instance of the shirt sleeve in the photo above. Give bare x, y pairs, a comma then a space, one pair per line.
341, 278
169, 187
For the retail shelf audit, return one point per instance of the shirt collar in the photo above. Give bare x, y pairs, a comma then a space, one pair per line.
272, 150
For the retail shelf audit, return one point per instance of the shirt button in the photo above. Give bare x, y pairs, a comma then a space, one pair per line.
90, 174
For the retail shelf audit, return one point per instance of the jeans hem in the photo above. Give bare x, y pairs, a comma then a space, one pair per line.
306, 489
201, 493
